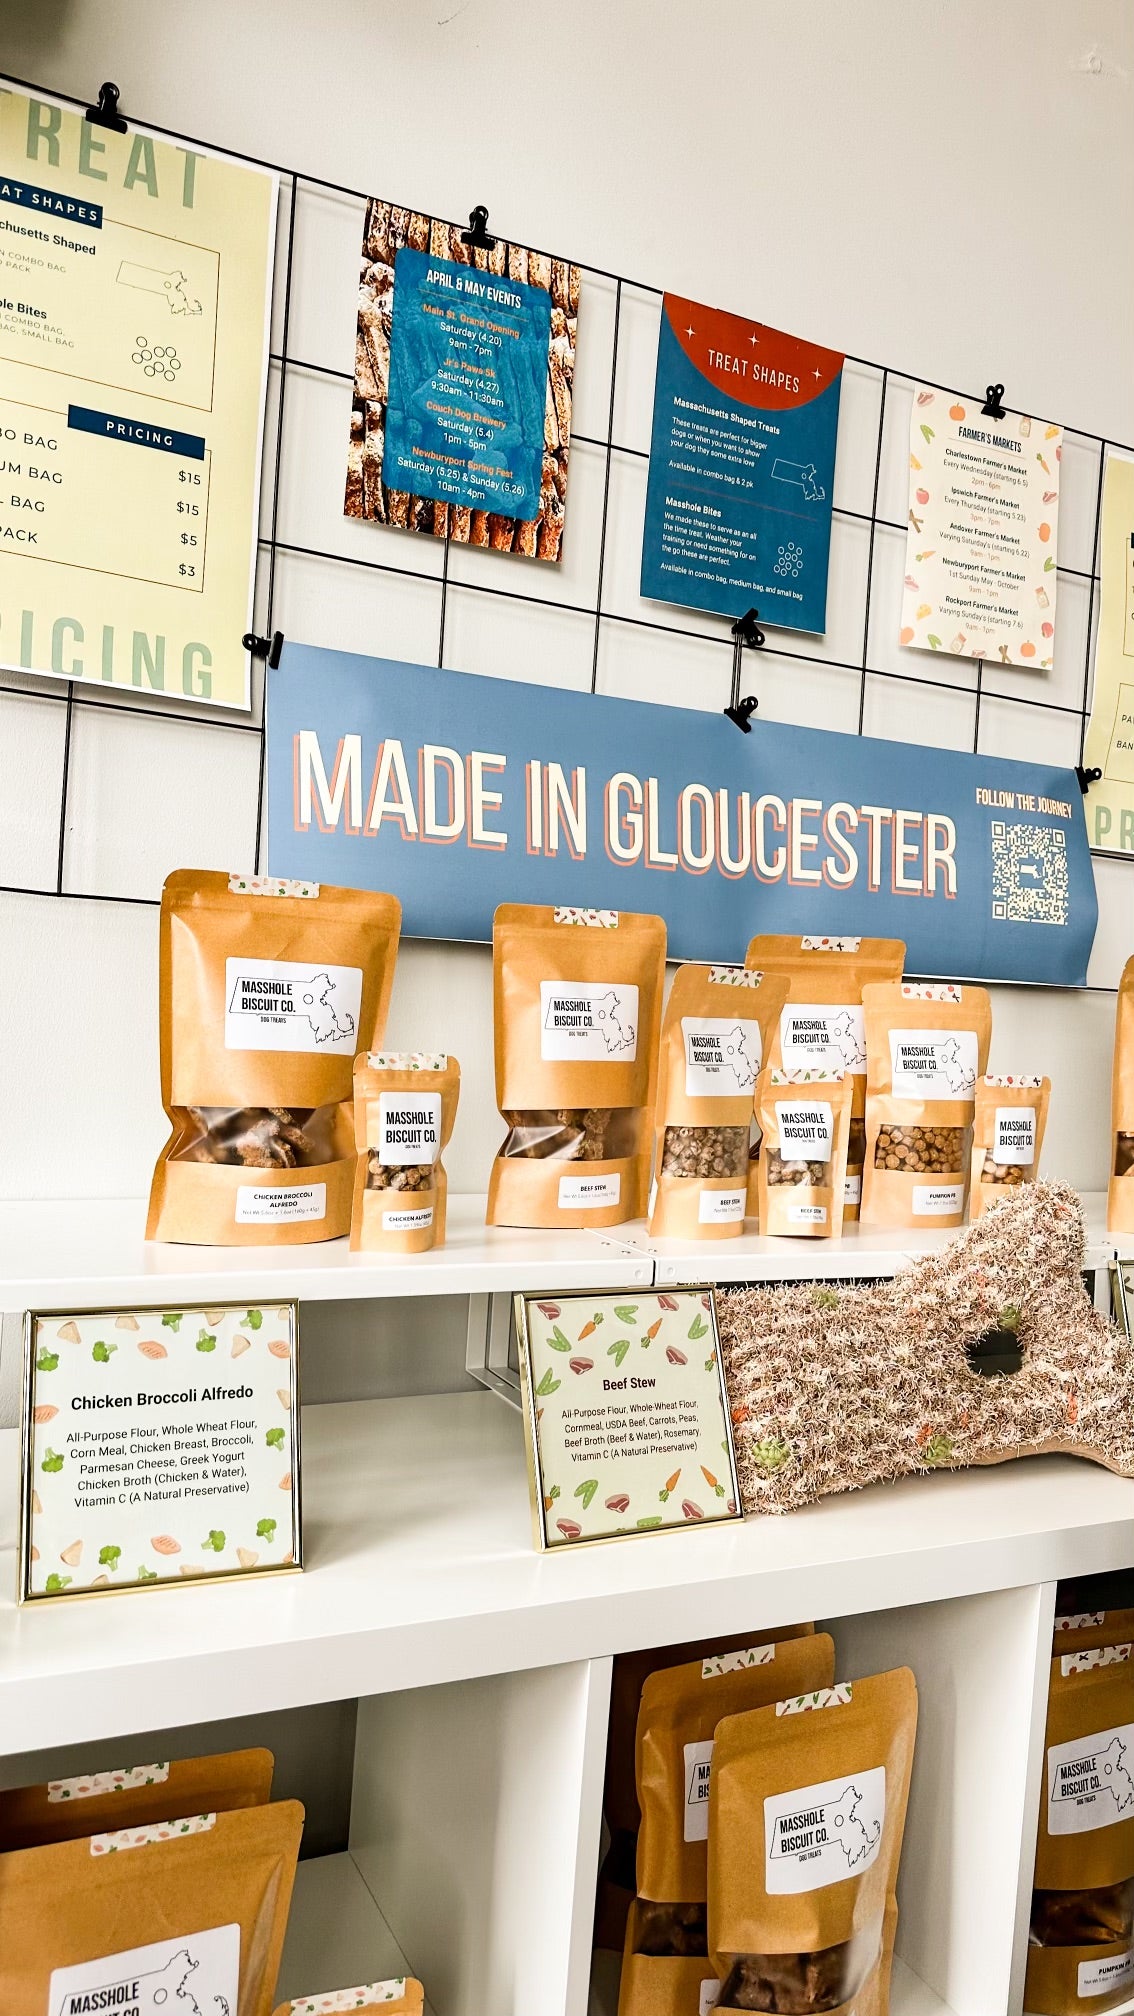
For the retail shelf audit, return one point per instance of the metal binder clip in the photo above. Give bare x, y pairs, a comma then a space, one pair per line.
745, 631
477, 233
268, 648
1086, 778
993, 403
106, 112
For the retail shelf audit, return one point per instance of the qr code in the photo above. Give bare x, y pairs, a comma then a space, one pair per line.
1029, 874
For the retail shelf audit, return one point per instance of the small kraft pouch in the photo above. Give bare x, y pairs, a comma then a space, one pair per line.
1120, 1191
804, 1119
67, 1809
1008, 1125
807, 1808
926, 1047
576, 1007
399, 1997
715, 1033
822, 1025
268, 991
1081, 1950
405, 1103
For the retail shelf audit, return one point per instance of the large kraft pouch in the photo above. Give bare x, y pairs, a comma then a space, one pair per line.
1081, 1955
1090, 1630
1120, 1191
1008, 1124
576, 1001
269, 990
807, 1808
926, 1046
804, 1120
400, 1997
68, 1809
405, 1103
620, 1809
195, 1904
822, 1026
715, 1034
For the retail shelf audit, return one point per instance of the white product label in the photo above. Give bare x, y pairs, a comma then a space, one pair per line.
721, 1207
819, 1037
824, 1833
283, 1204
200, 1970
1081, 1620
719, 1663
578, 1193
698, 1758
1106, 1977
807, 1214
584, 1021
805, 1128
933, 1063
60, 1789
709, 1996
341, 2001
852, 1187
723, 1055
1090, 1781
418, 1220
937, 1200
1014, 1139
409, 1129
289, 1004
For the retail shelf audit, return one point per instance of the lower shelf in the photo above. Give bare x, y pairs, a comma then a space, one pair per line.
908, 1995
336, 1935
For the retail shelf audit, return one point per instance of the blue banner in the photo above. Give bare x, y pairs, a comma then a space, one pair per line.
139, 433
458, 793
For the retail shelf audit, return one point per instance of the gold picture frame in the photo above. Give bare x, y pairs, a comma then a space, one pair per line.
673, 1424
114, 1475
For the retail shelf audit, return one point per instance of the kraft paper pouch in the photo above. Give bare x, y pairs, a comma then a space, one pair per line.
657, 1980
576, 997
68, 1809
401, 1997
129, 1920
268, 991
807, 1807
715, 1034
629, 1673
926, 1047
1120, 1193
1089, 1630
405, 1103
821, 1025
804, 1119
1081, 1955
1008, 1125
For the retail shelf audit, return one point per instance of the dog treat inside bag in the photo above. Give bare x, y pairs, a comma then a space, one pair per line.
926, 1048
715, 1033
153, 1920
807, 1806
405, 1102
577, 1000
821, 1024
1007, 1136
269, 989
400, 1997
1120, 1196
804, 1119
66, 1808
1081, 1953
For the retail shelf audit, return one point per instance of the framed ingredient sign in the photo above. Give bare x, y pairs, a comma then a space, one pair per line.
159, 1445
625, 1413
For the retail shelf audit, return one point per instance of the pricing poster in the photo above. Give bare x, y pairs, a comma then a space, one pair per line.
742, 466
135, 281
1109, 803
464, 371
981, 533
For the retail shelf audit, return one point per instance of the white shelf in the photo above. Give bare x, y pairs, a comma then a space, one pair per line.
421, 1567
336, 1934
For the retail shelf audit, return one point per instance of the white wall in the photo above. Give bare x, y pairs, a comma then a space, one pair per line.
946, 189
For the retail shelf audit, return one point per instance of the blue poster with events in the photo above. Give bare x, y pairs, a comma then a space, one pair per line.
458, 793
742, 467
468, 385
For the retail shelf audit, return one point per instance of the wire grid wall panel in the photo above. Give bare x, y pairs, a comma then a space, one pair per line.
102, 792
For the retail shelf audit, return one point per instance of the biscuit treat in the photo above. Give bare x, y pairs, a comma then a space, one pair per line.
715, 1032
399, 1997
821, 1026
405, 1103
269, 990
1120, 1193
1007, 1137
66, 1809
804, 1118
576, 1002
926, 1047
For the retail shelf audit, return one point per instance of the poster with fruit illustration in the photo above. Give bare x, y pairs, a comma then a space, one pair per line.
981, 533
626, 1417
159, 1445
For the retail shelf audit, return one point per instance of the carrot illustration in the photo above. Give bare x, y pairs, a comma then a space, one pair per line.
588, 1330
712, 1482
669, 1485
